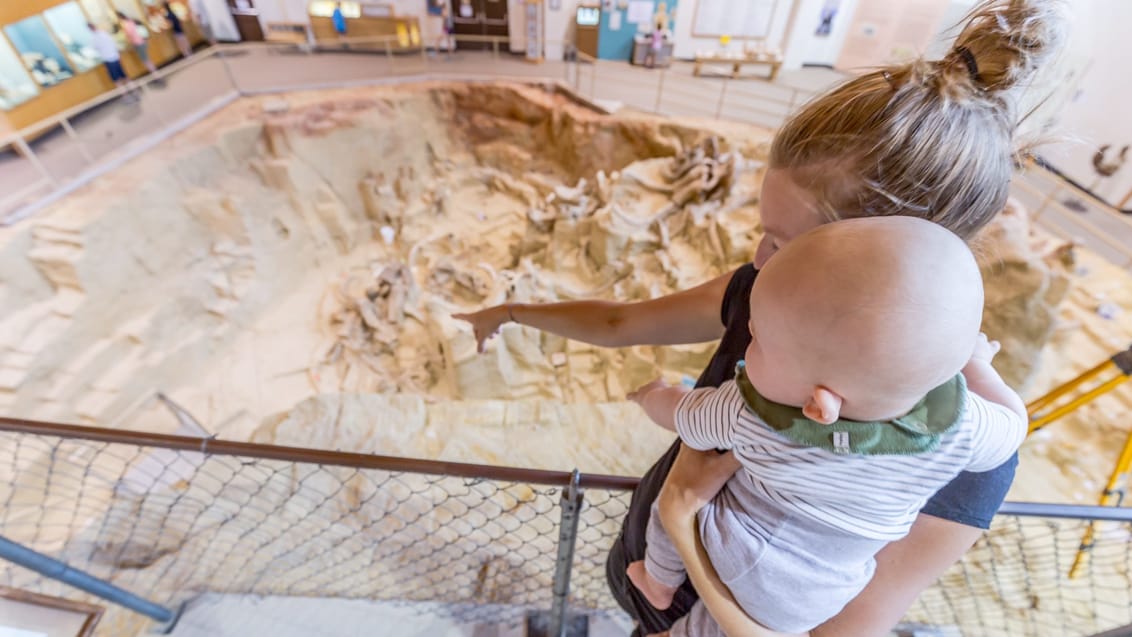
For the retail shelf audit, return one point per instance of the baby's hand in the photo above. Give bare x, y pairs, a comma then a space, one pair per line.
638, 396
985, 350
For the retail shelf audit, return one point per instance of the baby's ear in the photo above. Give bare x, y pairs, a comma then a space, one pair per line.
823, 406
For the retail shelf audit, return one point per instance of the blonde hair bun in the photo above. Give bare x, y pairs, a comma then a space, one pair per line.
935, 140
1004, 43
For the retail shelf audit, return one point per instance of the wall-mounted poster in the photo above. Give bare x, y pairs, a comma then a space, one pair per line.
70, 26
740, 19
825, 21
16, 86
38, 51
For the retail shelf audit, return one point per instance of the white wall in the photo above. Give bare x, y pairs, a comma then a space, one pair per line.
803, 46
1095, 110
685, 45
219, 19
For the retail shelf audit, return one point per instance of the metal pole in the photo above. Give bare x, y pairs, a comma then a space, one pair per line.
567, 536
722, 95
66, 123
659, 90
1050, 197
495, 48
56, 570
231, 75
1067, 511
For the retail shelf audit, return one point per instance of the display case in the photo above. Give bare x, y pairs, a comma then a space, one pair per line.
39, 51
69, 24
16, 86
364, 20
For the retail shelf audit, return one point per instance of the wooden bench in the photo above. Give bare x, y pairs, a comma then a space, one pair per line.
286, 32
736, 62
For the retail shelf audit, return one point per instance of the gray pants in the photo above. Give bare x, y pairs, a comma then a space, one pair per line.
788, 572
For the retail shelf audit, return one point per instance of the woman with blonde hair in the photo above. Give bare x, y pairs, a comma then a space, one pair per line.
929, 139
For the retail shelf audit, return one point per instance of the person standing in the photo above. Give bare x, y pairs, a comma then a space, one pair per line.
448, 26
107, 49
136, 36
338, 19
656, 44
178, 30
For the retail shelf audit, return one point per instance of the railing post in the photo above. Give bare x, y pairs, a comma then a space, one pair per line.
83, 150
1045, 202
567, 536
231, 76
24, 149
722, 96
58, 571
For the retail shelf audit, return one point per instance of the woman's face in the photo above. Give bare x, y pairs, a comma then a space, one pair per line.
787, 211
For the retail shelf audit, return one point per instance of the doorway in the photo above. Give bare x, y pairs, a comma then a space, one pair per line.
247, 20
479, 18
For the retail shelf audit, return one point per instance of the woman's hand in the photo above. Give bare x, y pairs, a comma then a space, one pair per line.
695, 478
486, 322
638, 395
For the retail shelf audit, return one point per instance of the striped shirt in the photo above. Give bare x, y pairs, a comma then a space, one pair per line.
871, 496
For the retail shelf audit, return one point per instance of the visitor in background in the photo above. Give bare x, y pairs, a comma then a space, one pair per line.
178, 30
656, 43
338, 19
107, 49
447, 26
136, 36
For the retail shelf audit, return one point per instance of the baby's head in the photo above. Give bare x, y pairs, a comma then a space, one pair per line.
861, 318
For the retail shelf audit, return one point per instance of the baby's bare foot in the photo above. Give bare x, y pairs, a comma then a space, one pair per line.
659, 595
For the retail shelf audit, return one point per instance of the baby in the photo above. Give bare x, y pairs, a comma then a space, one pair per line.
849, 411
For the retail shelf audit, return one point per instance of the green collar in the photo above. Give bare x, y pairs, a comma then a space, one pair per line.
917, 431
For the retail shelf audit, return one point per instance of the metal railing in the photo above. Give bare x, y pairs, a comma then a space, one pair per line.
174, 517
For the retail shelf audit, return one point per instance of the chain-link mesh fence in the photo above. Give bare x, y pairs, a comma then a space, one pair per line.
171, 518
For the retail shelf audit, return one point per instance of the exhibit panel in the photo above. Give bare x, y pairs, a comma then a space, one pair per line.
70, 26
16, 86
39, 51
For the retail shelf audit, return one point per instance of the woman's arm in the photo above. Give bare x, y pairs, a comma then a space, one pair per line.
695, 477
904, 568
690, 316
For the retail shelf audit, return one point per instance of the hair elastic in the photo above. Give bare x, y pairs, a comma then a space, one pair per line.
969, 60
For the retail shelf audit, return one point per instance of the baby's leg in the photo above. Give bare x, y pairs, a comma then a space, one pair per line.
697, 623
661, 572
